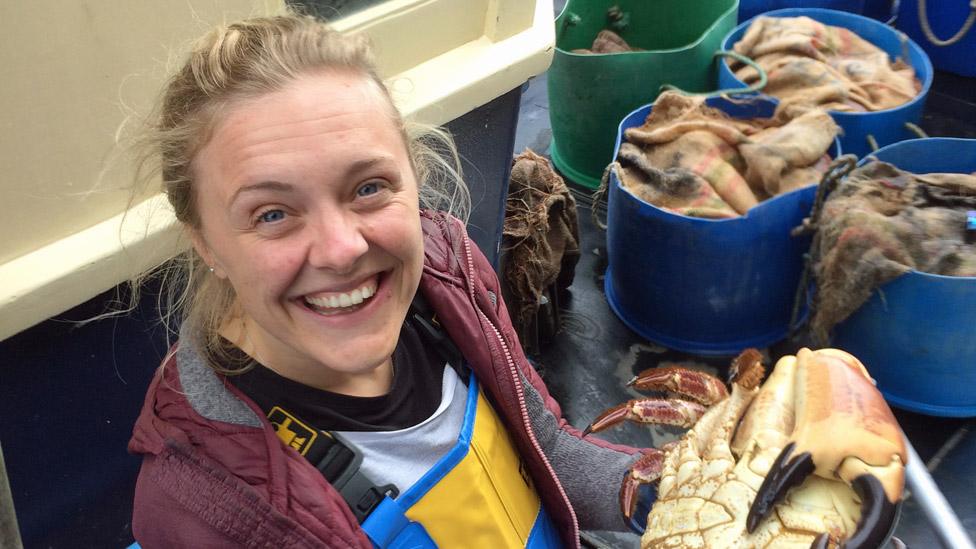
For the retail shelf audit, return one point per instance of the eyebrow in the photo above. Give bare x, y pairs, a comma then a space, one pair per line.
353, 168
262, 186
365, 164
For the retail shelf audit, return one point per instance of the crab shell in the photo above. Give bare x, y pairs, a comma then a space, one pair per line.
822, 401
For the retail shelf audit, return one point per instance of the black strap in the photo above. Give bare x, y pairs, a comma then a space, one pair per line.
339, 461
425, 320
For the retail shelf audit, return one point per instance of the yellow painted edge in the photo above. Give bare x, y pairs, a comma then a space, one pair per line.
70, 271
66, 273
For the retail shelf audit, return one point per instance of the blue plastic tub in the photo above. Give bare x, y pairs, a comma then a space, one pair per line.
751, 8
887, 126
946, 18
917, 333
709, 287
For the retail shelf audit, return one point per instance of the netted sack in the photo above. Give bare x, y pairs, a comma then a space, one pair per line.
881, 222
540, 241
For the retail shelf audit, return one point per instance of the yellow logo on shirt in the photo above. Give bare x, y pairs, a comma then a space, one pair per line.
291, 431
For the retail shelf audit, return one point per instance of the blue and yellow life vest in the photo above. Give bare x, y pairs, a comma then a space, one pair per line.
477, 495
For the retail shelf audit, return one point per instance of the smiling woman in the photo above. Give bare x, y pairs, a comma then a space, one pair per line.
342, 343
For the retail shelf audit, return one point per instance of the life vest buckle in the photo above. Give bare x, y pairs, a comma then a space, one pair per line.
340, 465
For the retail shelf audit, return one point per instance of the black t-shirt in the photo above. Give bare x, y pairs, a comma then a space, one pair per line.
415, 394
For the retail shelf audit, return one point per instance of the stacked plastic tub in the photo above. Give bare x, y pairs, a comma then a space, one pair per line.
705, 286
590, 93
714, 287
886, 126
917, 333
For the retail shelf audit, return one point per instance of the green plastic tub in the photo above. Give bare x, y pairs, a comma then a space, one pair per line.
589, 94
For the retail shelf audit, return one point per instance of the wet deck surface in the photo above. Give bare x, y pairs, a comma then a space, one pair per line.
588, 362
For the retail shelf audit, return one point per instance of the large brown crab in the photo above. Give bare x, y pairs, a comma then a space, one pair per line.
812, 458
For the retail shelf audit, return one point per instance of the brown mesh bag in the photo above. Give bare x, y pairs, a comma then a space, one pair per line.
540, 245
881, 222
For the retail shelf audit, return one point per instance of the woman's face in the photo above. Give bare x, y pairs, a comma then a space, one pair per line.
308, 206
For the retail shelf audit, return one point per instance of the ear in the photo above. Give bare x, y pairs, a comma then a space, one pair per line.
203, 250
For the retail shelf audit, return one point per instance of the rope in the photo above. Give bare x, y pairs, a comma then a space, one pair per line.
914, 128
758, 86
910, 126
601, 194
9, 533
923, 19
837, 170
617, 19
893, 13
872, 142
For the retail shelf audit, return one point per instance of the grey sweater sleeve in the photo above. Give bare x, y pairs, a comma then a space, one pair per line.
590, 474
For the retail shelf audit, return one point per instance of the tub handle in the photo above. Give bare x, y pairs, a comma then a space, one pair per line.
923, 19
893, 13
758, 86
910, 126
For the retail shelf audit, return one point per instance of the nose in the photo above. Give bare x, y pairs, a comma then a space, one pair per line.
336, 243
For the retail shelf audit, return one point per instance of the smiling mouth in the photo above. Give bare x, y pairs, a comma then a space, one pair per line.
341, 302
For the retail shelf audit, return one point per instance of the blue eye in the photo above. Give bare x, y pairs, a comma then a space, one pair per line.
368, 189
271, 216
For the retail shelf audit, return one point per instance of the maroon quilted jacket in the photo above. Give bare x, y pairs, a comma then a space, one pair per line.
214, 473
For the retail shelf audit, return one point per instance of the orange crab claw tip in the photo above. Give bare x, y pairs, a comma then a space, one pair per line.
588, 430
632, 381
877, 514
821, 542
782, 476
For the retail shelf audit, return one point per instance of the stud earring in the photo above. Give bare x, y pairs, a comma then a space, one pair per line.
211, 269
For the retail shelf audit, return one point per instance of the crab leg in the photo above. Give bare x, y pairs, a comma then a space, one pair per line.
705, 388
646, 469
660, 411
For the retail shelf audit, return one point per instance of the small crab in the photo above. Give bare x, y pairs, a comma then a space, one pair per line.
811, 458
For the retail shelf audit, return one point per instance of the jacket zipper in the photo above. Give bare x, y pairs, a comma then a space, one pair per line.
518, 390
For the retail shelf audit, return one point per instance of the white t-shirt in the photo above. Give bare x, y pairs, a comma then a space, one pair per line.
402, 457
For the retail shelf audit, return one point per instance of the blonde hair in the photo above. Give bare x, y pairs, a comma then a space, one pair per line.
243, 60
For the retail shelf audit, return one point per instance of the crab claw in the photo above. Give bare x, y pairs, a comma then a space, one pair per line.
782, 476
843, 430
821, 542
877, 513
661, 411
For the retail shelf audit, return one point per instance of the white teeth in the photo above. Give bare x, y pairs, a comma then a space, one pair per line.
342, 300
